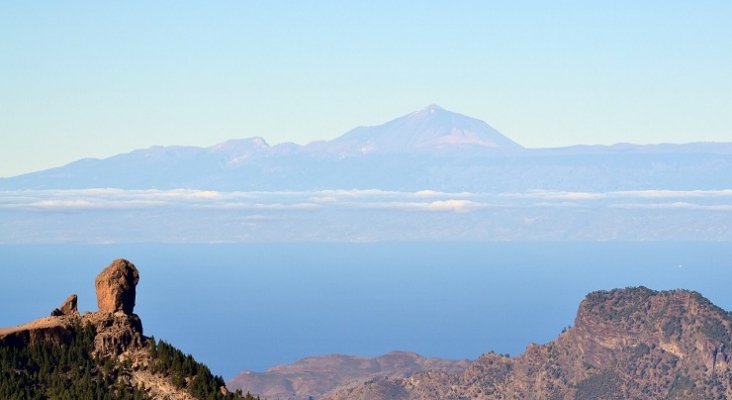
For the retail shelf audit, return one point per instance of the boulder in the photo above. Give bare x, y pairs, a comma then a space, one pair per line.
69, 307
116, 287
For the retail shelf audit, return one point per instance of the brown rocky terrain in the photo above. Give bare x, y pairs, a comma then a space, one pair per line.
118, 329
118, 334
632, 343
69, 307
315, 377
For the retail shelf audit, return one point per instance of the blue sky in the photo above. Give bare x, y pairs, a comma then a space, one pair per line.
92, 79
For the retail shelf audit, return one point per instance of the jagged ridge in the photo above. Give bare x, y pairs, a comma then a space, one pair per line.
632, 343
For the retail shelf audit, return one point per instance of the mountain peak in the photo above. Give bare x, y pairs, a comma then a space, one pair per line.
255, 142
632, 343
430, 109
433, 110
431, 129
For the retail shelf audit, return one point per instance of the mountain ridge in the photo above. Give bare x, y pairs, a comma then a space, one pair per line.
632, 343
315, 377
431, 149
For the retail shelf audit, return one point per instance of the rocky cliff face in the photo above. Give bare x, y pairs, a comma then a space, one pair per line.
118, 335
630, 343
118, 329
315, 377
116, 287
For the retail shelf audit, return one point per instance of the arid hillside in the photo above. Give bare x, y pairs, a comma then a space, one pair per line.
315, 377
632, 343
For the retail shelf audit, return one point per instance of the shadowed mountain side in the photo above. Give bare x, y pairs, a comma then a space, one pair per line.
314, 377
429, 149
632, 343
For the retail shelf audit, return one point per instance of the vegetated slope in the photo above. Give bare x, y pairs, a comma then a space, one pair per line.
101, 355
632, 343
71, 367
315, 377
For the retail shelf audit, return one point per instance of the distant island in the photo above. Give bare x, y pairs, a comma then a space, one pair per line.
430, 149
431, 168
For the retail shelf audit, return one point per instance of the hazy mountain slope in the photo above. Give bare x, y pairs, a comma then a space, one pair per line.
432, 130
626, 344
429, 149
573, 172
314, 377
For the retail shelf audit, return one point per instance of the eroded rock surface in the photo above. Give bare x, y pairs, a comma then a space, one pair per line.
117, 329
632, 343
69, 307
116, 287
118, 335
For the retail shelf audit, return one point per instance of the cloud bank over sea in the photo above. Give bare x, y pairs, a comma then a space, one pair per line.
427, 200
360, 215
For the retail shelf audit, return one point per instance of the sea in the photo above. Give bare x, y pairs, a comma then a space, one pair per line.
253, 306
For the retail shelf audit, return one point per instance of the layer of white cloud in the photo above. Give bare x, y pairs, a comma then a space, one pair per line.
676, 206
451, 205
643, 194
426, 200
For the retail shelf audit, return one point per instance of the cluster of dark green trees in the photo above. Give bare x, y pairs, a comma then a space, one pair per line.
185, 372
46, 370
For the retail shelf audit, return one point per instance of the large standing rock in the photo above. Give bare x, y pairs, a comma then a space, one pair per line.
116, 287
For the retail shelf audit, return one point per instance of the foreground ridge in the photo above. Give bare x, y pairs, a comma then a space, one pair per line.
633, 343
101, 355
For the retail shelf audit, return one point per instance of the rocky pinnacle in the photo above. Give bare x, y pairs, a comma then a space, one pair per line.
115, 287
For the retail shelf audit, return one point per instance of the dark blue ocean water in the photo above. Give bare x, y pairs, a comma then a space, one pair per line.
253, 306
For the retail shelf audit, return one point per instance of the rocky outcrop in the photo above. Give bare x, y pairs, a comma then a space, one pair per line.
116, 287
314, 377
69, 307
632, 343
116, 333
118, 330
118, 342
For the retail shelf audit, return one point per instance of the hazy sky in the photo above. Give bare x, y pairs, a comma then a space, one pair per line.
93, 79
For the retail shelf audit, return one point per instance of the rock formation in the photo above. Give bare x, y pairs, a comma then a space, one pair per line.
67, 308
112, 340
116, 287
632, 343
117, 329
